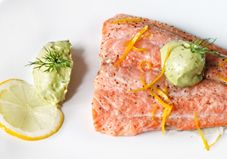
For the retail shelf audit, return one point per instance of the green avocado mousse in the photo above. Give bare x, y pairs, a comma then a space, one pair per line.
183, 67
52, 71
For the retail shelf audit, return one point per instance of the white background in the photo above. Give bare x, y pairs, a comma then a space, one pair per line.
26, 25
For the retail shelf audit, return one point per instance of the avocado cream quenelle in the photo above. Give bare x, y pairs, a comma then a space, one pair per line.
183, 68
52, 70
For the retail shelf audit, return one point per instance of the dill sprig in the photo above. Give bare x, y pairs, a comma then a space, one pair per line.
52, 61
201, 46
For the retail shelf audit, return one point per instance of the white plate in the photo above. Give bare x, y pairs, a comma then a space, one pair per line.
26, 25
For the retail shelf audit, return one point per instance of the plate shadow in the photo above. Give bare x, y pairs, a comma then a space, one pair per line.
78, 72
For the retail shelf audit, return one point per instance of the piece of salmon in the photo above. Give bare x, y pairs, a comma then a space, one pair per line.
117, 111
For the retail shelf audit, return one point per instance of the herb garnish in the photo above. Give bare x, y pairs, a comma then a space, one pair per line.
201, 46
52, 61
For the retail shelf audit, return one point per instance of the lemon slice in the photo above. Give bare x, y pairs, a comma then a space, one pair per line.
26, 115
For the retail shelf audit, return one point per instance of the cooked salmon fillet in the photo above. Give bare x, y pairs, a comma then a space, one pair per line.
118, 111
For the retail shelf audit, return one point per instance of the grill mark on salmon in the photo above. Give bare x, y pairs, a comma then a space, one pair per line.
117, 111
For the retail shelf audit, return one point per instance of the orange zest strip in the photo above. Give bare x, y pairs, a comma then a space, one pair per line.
205, 143
221, 63
196, 121
160, 101
134, 48
165, 116
216, 140
130, 46
139, 49
142, 80
162, 94
223, 79
165, 89
145, 66
127, 20
167, 110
